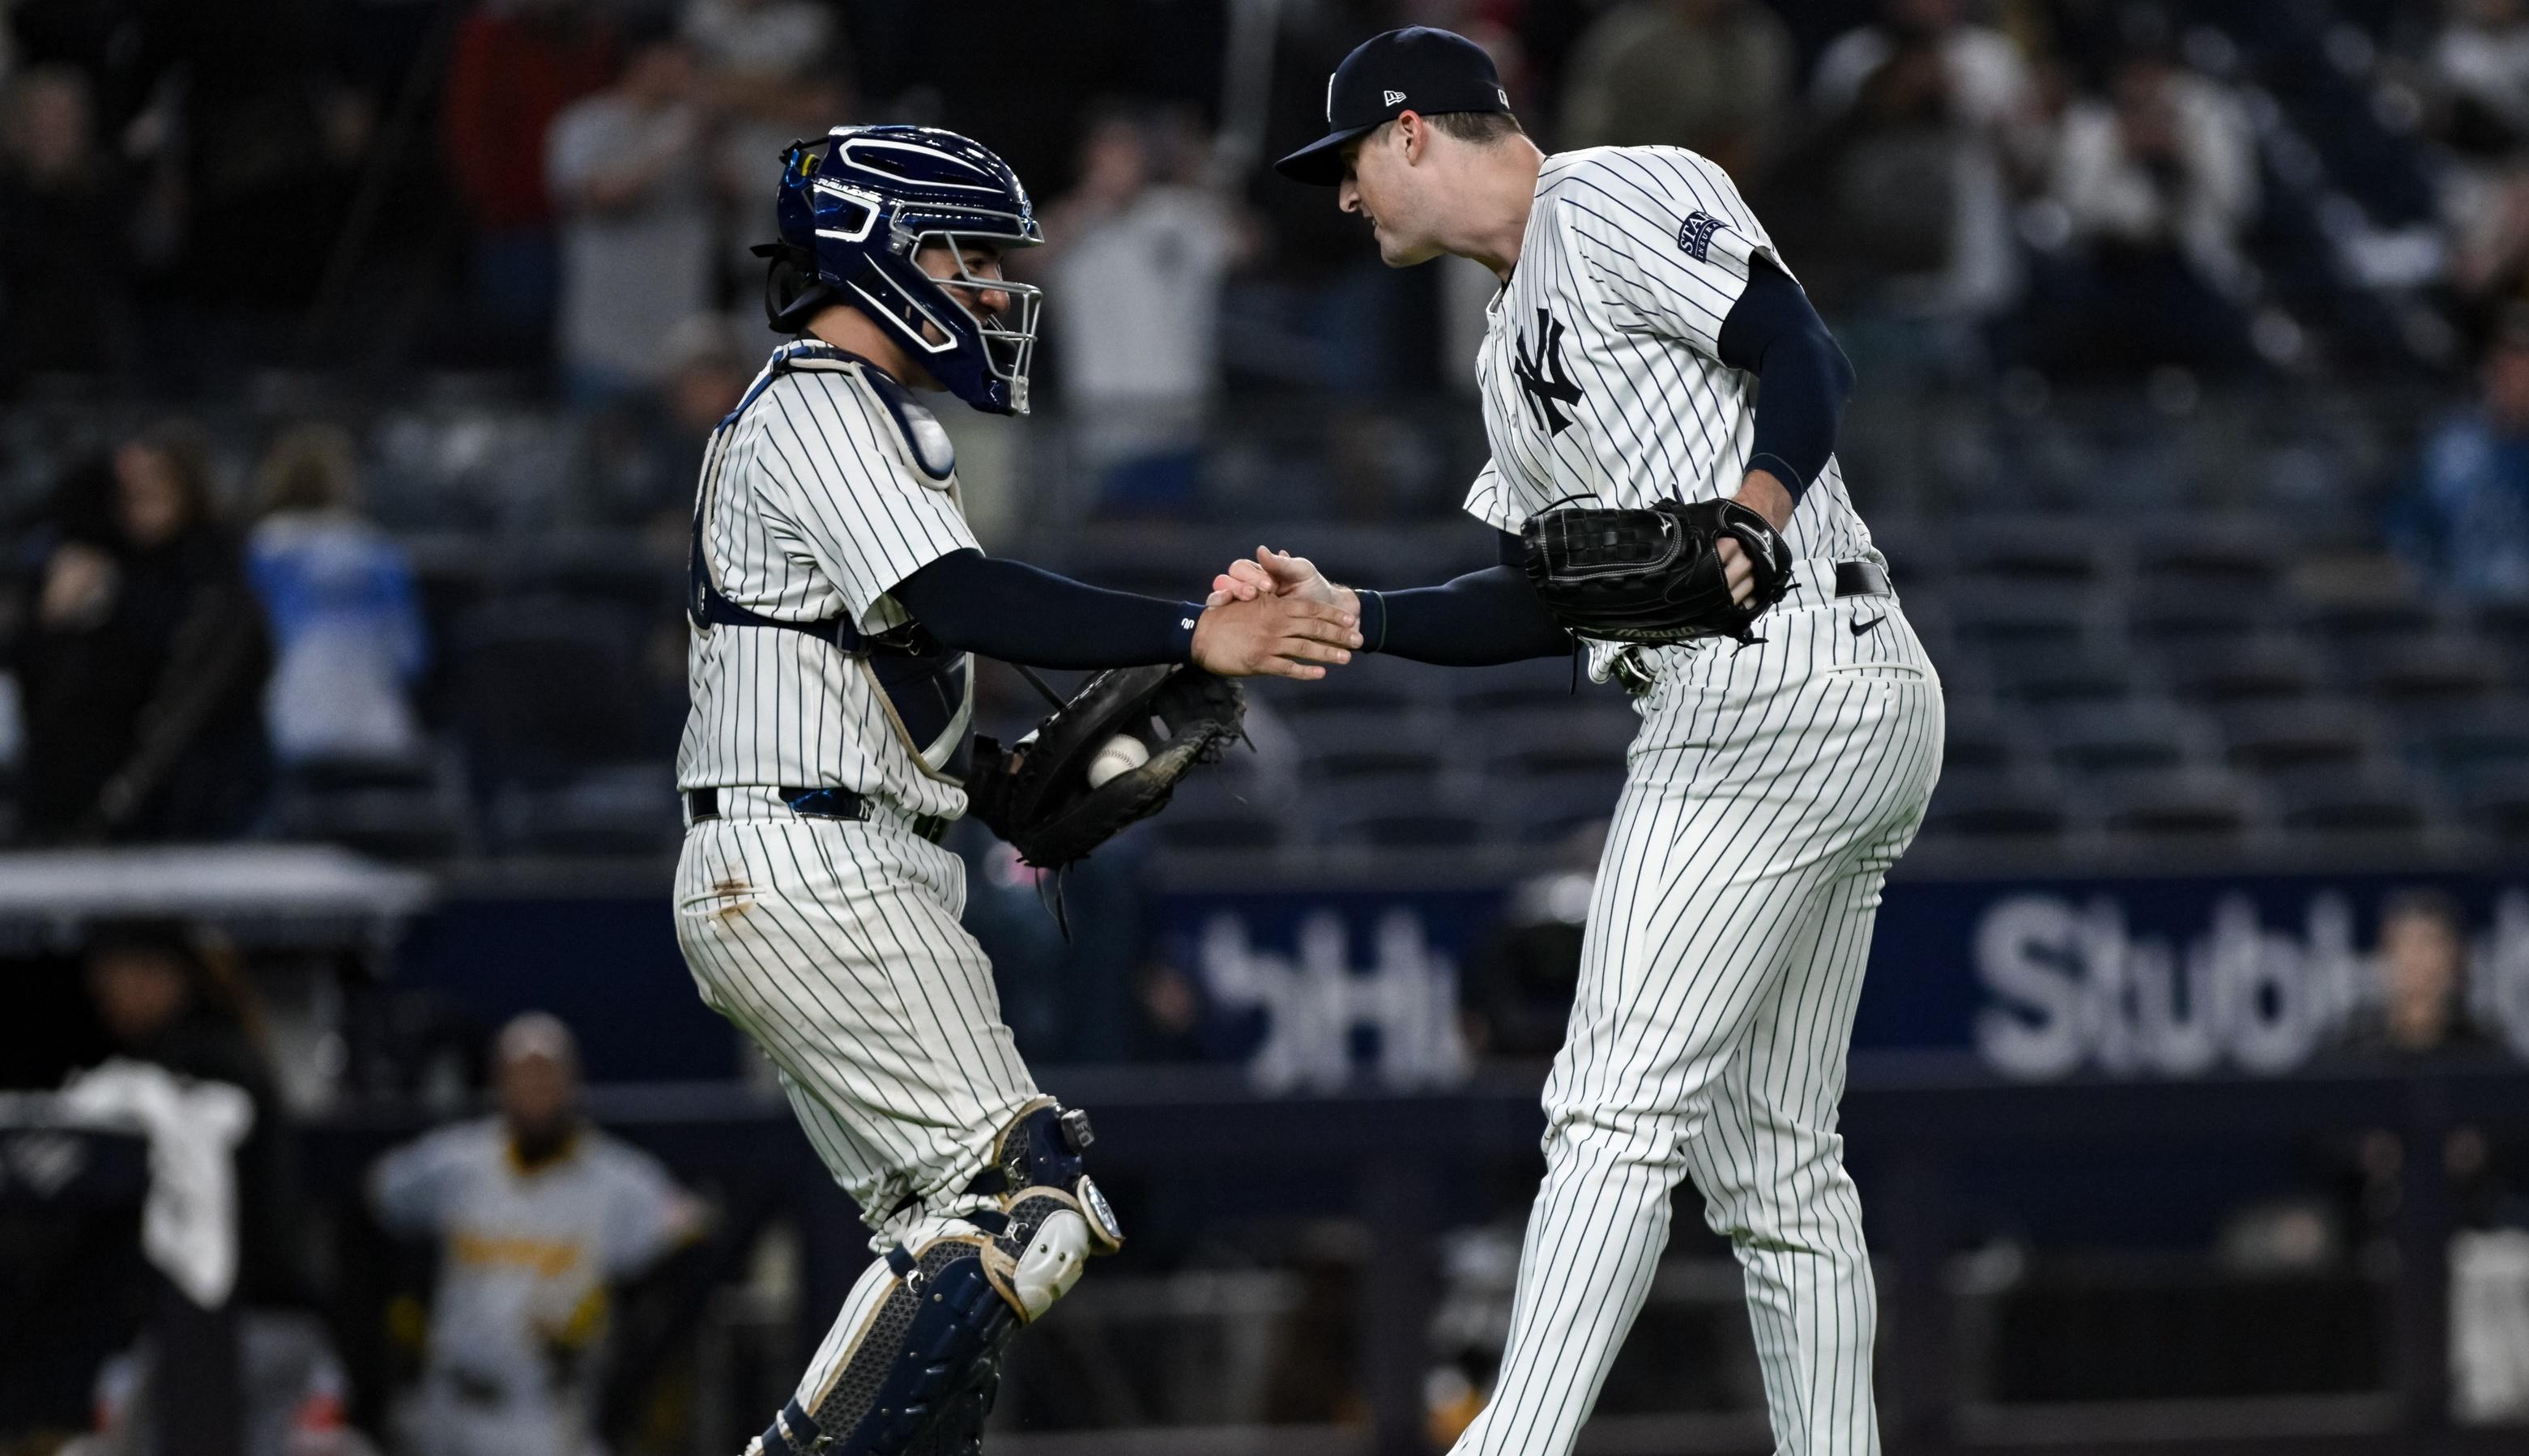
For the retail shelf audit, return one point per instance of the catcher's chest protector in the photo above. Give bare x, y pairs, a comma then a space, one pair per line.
929, 691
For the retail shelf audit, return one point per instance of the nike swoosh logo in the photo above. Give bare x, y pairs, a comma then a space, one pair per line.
1860, 628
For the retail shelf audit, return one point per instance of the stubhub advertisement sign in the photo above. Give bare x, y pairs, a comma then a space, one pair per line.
2157, 977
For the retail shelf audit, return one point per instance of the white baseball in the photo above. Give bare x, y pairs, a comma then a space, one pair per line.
1122, 752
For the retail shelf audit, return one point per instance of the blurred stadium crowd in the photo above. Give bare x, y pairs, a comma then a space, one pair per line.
2193, 339
357, 356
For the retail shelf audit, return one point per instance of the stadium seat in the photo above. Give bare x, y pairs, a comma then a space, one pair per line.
620, 809
1984, 807
2118, 740
1981, 737
2373, 804
1338, 747
1551, 739
2259, 669
1397, 814
2470, 737
545, 687
2041, 676
2433, 671
2285, 736
1208, 812
1546, 807
2026, 550
2196, 810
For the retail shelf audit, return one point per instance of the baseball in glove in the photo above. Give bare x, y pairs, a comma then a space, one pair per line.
1037, 793
1654, 575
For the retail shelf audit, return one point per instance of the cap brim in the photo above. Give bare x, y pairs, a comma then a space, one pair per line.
1320, 163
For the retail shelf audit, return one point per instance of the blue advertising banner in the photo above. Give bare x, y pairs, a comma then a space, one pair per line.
2042, 978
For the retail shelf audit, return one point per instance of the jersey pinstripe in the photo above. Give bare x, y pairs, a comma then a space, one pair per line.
1771, 788
1600, 367
812, 507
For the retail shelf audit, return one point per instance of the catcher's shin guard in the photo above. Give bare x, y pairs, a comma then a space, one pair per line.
911, 1367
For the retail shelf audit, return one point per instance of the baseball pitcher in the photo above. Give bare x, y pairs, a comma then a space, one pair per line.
1662, 405
835, 595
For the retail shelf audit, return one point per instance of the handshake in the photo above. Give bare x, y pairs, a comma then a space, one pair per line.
1276, 615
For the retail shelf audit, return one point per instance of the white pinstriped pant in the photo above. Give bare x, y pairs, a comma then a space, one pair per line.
835, 944
1771, 789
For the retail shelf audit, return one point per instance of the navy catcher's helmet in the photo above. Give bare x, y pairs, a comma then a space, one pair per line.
854, 208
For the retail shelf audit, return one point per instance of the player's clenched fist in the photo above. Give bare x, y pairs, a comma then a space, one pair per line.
1283, 636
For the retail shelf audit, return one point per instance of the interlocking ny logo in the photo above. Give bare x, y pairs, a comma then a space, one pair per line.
1695, 234
1541, 377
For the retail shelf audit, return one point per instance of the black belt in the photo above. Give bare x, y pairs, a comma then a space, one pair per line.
1861, 579
821, 804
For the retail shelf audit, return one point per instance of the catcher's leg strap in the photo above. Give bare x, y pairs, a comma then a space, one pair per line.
1052, 1217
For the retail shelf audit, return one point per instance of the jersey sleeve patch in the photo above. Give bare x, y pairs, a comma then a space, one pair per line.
1695, 234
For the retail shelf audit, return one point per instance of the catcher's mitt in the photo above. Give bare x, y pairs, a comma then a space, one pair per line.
1036, 793
1653, 575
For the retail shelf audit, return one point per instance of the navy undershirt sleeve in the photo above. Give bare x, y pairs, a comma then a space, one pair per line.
1481, 618
1804, 379
1020, 613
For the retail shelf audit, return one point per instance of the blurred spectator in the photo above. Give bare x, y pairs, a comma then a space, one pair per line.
1713, 76
346, 624
2466, 520
1134, 259
538, 1215
142, 660
627, 174
170, 1007
163, 1002
59, 248
2420, 1009
2478, 70
2157, 185
1926, 119
517, 64
772, 75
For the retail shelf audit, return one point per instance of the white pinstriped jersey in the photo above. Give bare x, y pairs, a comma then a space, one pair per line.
1601, 367
812, 507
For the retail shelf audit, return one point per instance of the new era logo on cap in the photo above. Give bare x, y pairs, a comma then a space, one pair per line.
1391, 98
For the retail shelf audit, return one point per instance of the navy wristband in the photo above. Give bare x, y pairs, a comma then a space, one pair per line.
1181, 638
1373, 619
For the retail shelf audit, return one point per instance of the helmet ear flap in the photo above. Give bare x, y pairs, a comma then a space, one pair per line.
791, 292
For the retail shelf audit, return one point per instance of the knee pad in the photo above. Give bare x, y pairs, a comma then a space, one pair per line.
1052, 1218
929, 1342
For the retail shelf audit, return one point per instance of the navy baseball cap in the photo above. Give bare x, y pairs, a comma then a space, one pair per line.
1419, 68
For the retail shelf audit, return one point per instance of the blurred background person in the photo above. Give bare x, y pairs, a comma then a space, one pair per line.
515, 65
2465, 522
2476, 72
141, 659
772, 71
61, 253
630, 180
2157, 184
1138, 252
164, 1002
1925, 122
2419, 1002
347, 626
538, 1216
1712, 75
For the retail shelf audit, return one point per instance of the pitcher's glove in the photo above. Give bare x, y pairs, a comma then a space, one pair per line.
1036, 793
1653, 575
